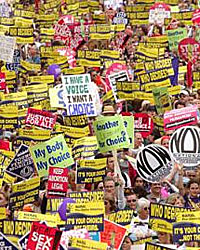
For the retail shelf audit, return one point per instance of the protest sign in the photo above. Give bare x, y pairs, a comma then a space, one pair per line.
196, 16
6, 243
57, 182
111, 133
44, 237
162, 217
22, 165
152, 246
67, 235
8, 117
5, 145
189, 50
91, 171
28, 216
77, 93
178, 118
113, 234
175, 36
40, 118
129, 125
187, 227
153, 163
143, 124
122, 217
184, 146
2, 82
53, 152
24, 192
83, 197
120, 18
85, 147
120, 76
88, 215
162, 100
85, 244
16, 62
7, 45
15, 227
22, 242
186, 232
158, 12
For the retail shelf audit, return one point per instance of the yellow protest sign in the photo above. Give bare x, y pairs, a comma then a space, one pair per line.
84, 244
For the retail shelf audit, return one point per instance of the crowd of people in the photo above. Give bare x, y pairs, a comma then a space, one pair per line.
73, 38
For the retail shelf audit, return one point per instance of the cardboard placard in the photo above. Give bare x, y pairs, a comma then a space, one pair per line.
57, 182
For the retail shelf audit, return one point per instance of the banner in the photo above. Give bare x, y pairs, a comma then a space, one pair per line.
162, 217
43, 237
178, 118
53, 152
88, 215
77, 92
40, 118
113, 234
111, 133
85, 244
57, 182
143, 124
91, 171
22, 165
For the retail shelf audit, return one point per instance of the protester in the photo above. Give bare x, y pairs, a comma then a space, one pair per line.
99, 124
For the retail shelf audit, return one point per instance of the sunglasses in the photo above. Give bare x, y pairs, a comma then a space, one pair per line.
129, 201
101, 188
146, 208
105, 202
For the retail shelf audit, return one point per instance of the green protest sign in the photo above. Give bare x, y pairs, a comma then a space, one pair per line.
162, 100
175, 36
53, 152
111, 133
129, 125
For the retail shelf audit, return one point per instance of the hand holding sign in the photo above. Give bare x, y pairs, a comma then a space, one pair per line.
189, 50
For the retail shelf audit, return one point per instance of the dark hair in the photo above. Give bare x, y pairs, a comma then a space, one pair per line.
179, 103
192, 182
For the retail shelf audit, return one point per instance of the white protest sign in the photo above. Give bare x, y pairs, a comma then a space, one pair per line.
7, 46
78, 95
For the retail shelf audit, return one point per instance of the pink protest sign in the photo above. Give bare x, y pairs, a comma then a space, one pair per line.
178, 118
40, 118
57, 182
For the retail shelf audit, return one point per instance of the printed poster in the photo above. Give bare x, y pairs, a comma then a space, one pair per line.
53, 152
111, 133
